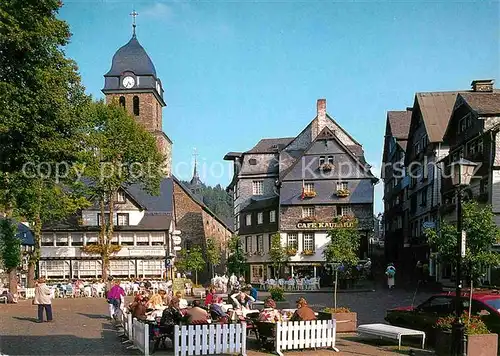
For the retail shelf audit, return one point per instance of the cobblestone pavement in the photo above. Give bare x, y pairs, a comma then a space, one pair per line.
80, 326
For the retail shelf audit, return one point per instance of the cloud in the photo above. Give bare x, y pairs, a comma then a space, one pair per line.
158, 10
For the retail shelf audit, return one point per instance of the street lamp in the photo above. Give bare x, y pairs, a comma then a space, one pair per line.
461, 174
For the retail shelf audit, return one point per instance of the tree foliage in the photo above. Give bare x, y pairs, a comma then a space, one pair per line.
481, 234
236, 263
277, 253
118, 152
189, 261
10, 250
343, 247
213, 252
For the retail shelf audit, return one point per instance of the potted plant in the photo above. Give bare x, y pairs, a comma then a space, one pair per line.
309, 194
347, 320
326, 167
278, 295
308, 219
479, 339
308, 252
342, 193
291, 251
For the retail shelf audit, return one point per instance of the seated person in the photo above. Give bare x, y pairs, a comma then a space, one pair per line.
140, 309
209, 299
164, 296
253, 291
183, 304
241, 300
155, 302
216, 311
303, 312
270, 314
197, 315
170, 317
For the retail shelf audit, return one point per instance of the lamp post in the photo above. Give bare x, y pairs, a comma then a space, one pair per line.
461, 174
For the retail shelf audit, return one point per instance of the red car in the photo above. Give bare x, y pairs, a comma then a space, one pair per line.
424, 316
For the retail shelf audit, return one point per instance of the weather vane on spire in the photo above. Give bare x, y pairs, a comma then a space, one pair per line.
134, 15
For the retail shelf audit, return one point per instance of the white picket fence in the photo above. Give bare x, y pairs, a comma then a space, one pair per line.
140, 336
299, 335
30, 293
210, 339
127, 325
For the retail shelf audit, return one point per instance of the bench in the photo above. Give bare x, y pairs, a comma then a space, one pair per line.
298, 335
210, 339
390, 332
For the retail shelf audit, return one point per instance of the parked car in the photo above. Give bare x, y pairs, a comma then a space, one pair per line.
424, 317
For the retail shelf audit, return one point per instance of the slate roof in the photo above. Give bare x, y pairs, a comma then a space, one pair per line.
261, 204
161, 203
25, 234
483, 103
436, 108
266, 145
399, 122
155, 221
132, 57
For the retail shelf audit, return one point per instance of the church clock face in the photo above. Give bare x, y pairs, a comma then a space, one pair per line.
128, 82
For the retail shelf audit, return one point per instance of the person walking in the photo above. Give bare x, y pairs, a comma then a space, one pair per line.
42, 299
390, 272
114, 298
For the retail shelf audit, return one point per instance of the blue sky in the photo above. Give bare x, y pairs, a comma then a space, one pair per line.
236, 72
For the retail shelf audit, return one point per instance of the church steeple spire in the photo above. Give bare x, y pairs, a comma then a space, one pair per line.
195, 183
134, 15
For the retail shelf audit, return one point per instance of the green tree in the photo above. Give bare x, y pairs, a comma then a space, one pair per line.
342, 249
213, 253
41, 116
481, 232
236, 262
118, 152
189, 261
277, 253
10, 250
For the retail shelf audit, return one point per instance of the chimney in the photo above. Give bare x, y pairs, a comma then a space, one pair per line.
321, 109
482, 85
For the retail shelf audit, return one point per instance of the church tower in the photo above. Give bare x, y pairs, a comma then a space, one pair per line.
132, 82
195, 185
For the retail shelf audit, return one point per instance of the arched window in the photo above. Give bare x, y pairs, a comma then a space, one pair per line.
122, 101
136, 105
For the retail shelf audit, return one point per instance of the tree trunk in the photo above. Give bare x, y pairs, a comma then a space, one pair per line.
196, 277
102, 239
12, 280
31, 274
335, 290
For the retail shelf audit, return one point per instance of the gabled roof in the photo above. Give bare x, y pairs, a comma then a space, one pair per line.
436, 111
200, 203
155, 221
161, 203
399, 123
483, 103
271, 145
326, 132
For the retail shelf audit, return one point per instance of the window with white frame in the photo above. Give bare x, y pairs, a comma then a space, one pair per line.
76, 239
62, 239
120, 196
341, 185
157, 239
127, 239
307, 211
142, 239
272, 216
238, 221
248, 219
330, 160
258, 187
321, 160
248, 244
47, 240
345, 210
92, 239
309, 187
260, 243
292, 240
106, 218
114, 239
308, 241
88, 268
260, 218
122, 219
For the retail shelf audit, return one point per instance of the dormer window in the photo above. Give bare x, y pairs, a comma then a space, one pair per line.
122, 219
260, 218
120, 197
248, 219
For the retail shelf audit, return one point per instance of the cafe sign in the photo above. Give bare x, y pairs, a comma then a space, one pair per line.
324, 225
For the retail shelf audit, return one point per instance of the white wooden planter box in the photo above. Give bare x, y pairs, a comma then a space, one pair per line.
210, 339
299, 335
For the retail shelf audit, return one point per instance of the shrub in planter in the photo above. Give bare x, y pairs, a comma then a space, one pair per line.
479, 339
277, 293
347, 321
